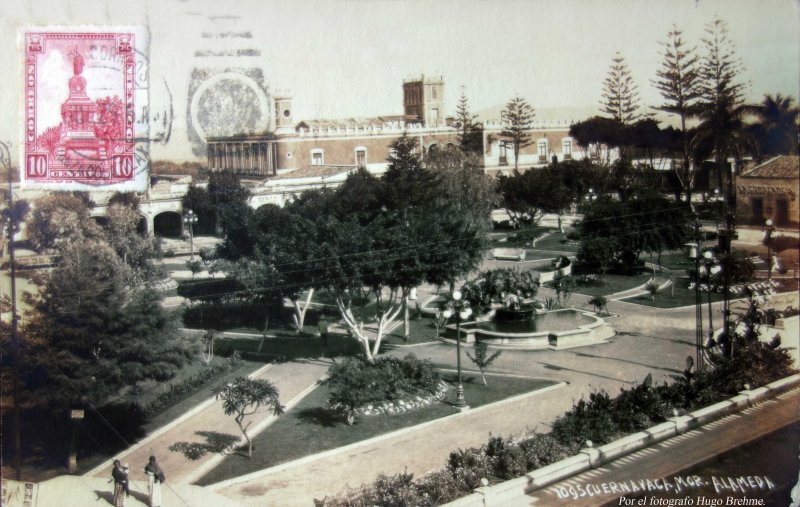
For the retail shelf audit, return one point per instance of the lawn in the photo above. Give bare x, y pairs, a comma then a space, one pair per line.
680, 296
422, 331
613, 283
309, 428
556, 242
200, 393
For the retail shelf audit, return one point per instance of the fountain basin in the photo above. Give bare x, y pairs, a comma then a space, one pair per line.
559, 329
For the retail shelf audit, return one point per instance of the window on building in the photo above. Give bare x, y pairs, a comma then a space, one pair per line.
317, 157
433, 92
503, 153
566, 147
361, 157
435, 114
542, 148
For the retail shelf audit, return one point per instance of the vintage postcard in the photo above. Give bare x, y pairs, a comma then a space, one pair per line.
407, 253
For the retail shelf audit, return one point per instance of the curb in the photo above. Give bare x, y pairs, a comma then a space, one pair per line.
163, 429
347, 448
594, 457
217, 458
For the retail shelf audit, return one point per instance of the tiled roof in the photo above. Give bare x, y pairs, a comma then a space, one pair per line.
315, 171
782, 166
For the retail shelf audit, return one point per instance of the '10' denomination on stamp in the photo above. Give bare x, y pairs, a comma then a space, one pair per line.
85, 98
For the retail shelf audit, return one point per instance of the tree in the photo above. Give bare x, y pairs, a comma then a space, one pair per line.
616, 232
198, 200
528, 196
776, 128
458, 216
678, 83
60, 218
135, 250
620, 93
599, 303
469, 133
517, 117
245, 396
482, 359
225, 187
721, 107
89, 335
127, 199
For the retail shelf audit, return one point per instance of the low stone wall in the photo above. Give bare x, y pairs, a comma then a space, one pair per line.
591, 457
509, 254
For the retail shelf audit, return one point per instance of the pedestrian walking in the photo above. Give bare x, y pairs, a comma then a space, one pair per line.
120, 478
155, 477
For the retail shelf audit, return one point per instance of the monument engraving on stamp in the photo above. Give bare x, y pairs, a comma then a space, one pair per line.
85, 109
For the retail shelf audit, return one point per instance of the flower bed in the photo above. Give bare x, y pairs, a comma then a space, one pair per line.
386, 386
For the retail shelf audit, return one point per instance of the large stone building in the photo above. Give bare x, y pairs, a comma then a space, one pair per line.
770, 190
365, 142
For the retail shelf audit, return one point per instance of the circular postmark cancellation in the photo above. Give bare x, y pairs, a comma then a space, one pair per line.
86, 108
226, 102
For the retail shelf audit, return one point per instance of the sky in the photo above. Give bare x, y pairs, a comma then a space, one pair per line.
348, 58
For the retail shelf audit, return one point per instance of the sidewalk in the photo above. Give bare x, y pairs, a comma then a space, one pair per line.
206, 428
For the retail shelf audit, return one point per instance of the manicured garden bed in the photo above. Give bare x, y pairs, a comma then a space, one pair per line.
288, 438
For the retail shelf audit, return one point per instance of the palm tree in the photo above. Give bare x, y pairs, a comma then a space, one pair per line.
776, 128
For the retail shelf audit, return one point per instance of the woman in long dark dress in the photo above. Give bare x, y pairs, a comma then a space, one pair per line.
120, 484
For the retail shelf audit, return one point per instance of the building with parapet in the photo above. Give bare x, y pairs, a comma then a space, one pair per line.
769, 191
366, 142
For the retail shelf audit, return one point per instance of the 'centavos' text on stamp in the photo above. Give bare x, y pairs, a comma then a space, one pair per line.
85, 104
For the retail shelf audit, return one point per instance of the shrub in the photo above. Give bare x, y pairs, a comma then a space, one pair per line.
439, 487
468, 467
396, 491
588, 420
508, 458
542, 450
782, 242
639, 408
176, 390
355, 382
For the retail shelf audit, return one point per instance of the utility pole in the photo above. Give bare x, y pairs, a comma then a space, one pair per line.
5, 160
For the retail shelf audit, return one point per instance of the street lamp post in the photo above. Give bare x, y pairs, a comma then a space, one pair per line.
710, 268
460, 309
694, 254
189, 220
770, 230
13, 227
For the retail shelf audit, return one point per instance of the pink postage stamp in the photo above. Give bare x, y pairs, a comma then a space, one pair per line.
85, 109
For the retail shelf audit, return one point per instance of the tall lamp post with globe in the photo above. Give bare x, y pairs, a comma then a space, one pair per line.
770, 230
189, 220
459, 308
710, 268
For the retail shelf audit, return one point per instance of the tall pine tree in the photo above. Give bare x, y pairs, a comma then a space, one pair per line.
517, 117
678, 83
721, 108
469, 132
620, 93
